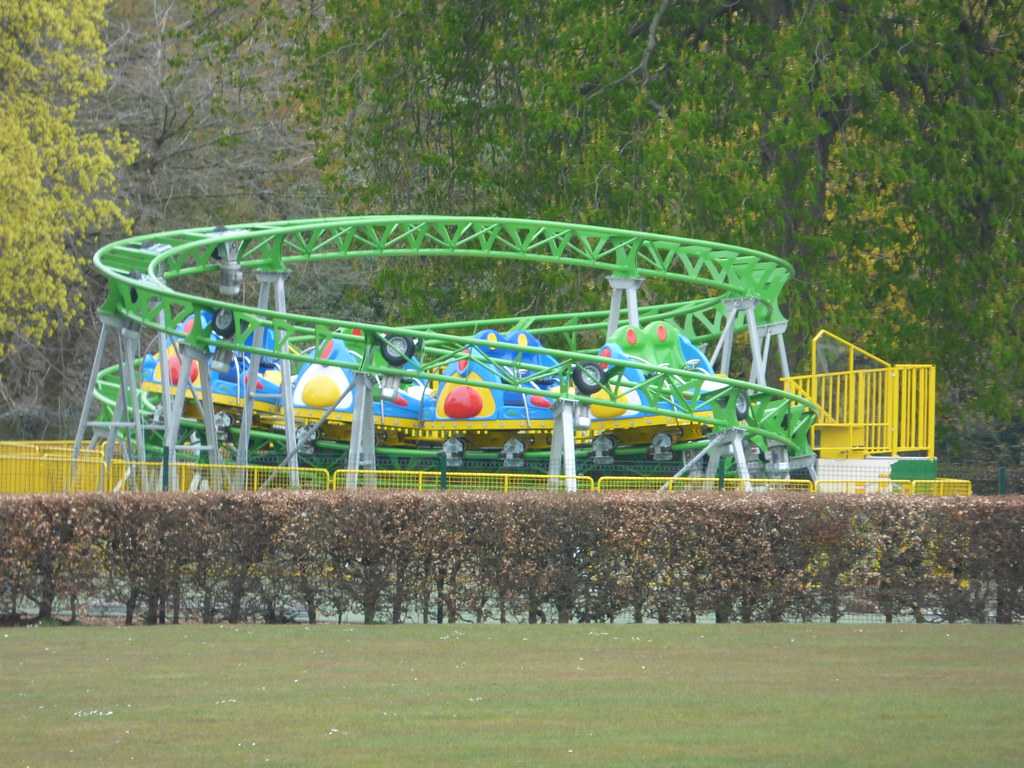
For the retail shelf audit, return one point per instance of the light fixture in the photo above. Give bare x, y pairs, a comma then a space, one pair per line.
454, 451
661, 447
603, 450
389, 387
512, 453
224, 326
226, 254
222, 422
581, 416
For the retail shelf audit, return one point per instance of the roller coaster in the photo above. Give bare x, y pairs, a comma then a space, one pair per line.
227, 381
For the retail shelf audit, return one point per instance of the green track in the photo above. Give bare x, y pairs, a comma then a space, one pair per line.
142, 273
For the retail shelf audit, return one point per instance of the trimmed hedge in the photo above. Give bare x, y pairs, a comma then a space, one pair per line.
407, 556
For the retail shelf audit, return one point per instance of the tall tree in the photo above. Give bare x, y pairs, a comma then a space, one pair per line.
57, 182
874, 144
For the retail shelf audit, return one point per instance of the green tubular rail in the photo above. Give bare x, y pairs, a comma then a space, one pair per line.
141, 270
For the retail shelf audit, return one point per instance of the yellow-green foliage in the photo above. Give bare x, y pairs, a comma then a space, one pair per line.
56, 180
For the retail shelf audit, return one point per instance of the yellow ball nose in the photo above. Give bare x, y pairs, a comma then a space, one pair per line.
609, 411
321, 391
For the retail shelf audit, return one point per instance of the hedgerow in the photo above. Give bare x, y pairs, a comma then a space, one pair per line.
407, 556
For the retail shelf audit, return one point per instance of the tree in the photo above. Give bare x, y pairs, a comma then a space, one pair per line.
876, 145
57, 182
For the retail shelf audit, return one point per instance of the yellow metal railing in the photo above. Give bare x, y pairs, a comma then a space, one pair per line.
50, 474
611, 483
869, 407
862, 487
943, 486
148, 476
386, 479
47, 468
461, 481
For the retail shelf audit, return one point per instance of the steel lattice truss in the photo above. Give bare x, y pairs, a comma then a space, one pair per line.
142, 273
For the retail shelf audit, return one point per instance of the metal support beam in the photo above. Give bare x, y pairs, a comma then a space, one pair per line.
165, 381
106, 322
757, 365
252, 375
562, 458
108, 449
290, 440
627, 286
723, 350
783, 357
129, 347
362, 453
172, 422
206, 405
724, 443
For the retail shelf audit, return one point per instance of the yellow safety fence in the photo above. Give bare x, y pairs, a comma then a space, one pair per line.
862, 487
943, 486
758, 484
457, 481
868, 406
48, 468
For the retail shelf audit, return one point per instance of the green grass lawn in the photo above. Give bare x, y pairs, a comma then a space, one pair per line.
596, 695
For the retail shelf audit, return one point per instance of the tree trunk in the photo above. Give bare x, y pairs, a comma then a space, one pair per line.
440, 598
152, 609
1004, 603
129, 606
235, 605
398, 603
48, 591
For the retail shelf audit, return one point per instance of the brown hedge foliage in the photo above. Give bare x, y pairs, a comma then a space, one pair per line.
408, 556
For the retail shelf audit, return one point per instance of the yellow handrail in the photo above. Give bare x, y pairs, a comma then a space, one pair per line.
889, 409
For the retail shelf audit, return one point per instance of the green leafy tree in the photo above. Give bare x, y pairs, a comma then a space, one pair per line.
56, 181
876, 145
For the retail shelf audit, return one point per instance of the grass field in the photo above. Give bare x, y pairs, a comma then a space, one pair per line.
328, 695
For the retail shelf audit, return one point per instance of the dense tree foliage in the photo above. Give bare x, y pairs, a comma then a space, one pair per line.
876, 145
56, 180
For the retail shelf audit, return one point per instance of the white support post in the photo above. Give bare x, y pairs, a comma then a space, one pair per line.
555, 449
165, 382
129, 352
105, 323
757, 365
206, 405
252, 375
723, 349
766, 348
728, 441
627, 286
741, 460
108, 449
291, 443
172, 423
562, 457
783, 357
568, 447
362, 453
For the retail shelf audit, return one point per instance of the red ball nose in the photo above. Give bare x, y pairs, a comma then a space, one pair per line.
463, 403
